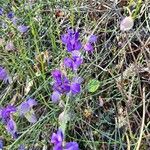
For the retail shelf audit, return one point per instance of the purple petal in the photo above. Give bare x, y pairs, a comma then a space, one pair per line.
69, 47
70, 32
92, 39
65, 38
31, 102
88, 47
78, 45
72, 146
10, 15
57, 75
6, 113
65, 88
3, 74
24, 108
76, 35
75, 88
22, 28
58, 146
11, 127
57, 137
77, 62
55, 96
68, 62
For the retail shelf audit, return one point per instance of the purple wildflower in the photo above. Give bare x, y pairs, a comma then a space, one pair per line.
58, 139
22, 28
71, 40
5, 113
75, 86
61, 83
1, 11
6, 116
72, 146
92, 39
10, 15
57, 75
89, 44
55, 96
11, 128
73, 63
3, 74
25, 109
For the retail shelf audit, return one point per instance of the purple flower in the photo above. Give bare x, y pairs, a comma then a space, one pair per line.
5, 113
89, 44
88, 47
6, 116
58, 138
55, 96
73, 63
22, 28
57, 75
92, 39
3, 74
11, 128
1, 11
25, 109
75, 88
72, 146
10, 15
71, 40
61, 82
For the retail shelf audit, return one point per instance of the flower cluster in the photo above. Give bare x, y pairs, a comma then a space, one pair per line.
71, 40
7, 119
24, 109
62, 85
59, 144
11, 17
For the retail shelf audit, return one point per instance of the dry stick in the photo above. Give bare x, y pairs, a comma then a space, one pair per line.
143, 120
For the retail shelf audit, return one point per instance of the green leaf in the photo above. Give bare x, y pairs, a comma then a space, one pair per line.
93, 85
